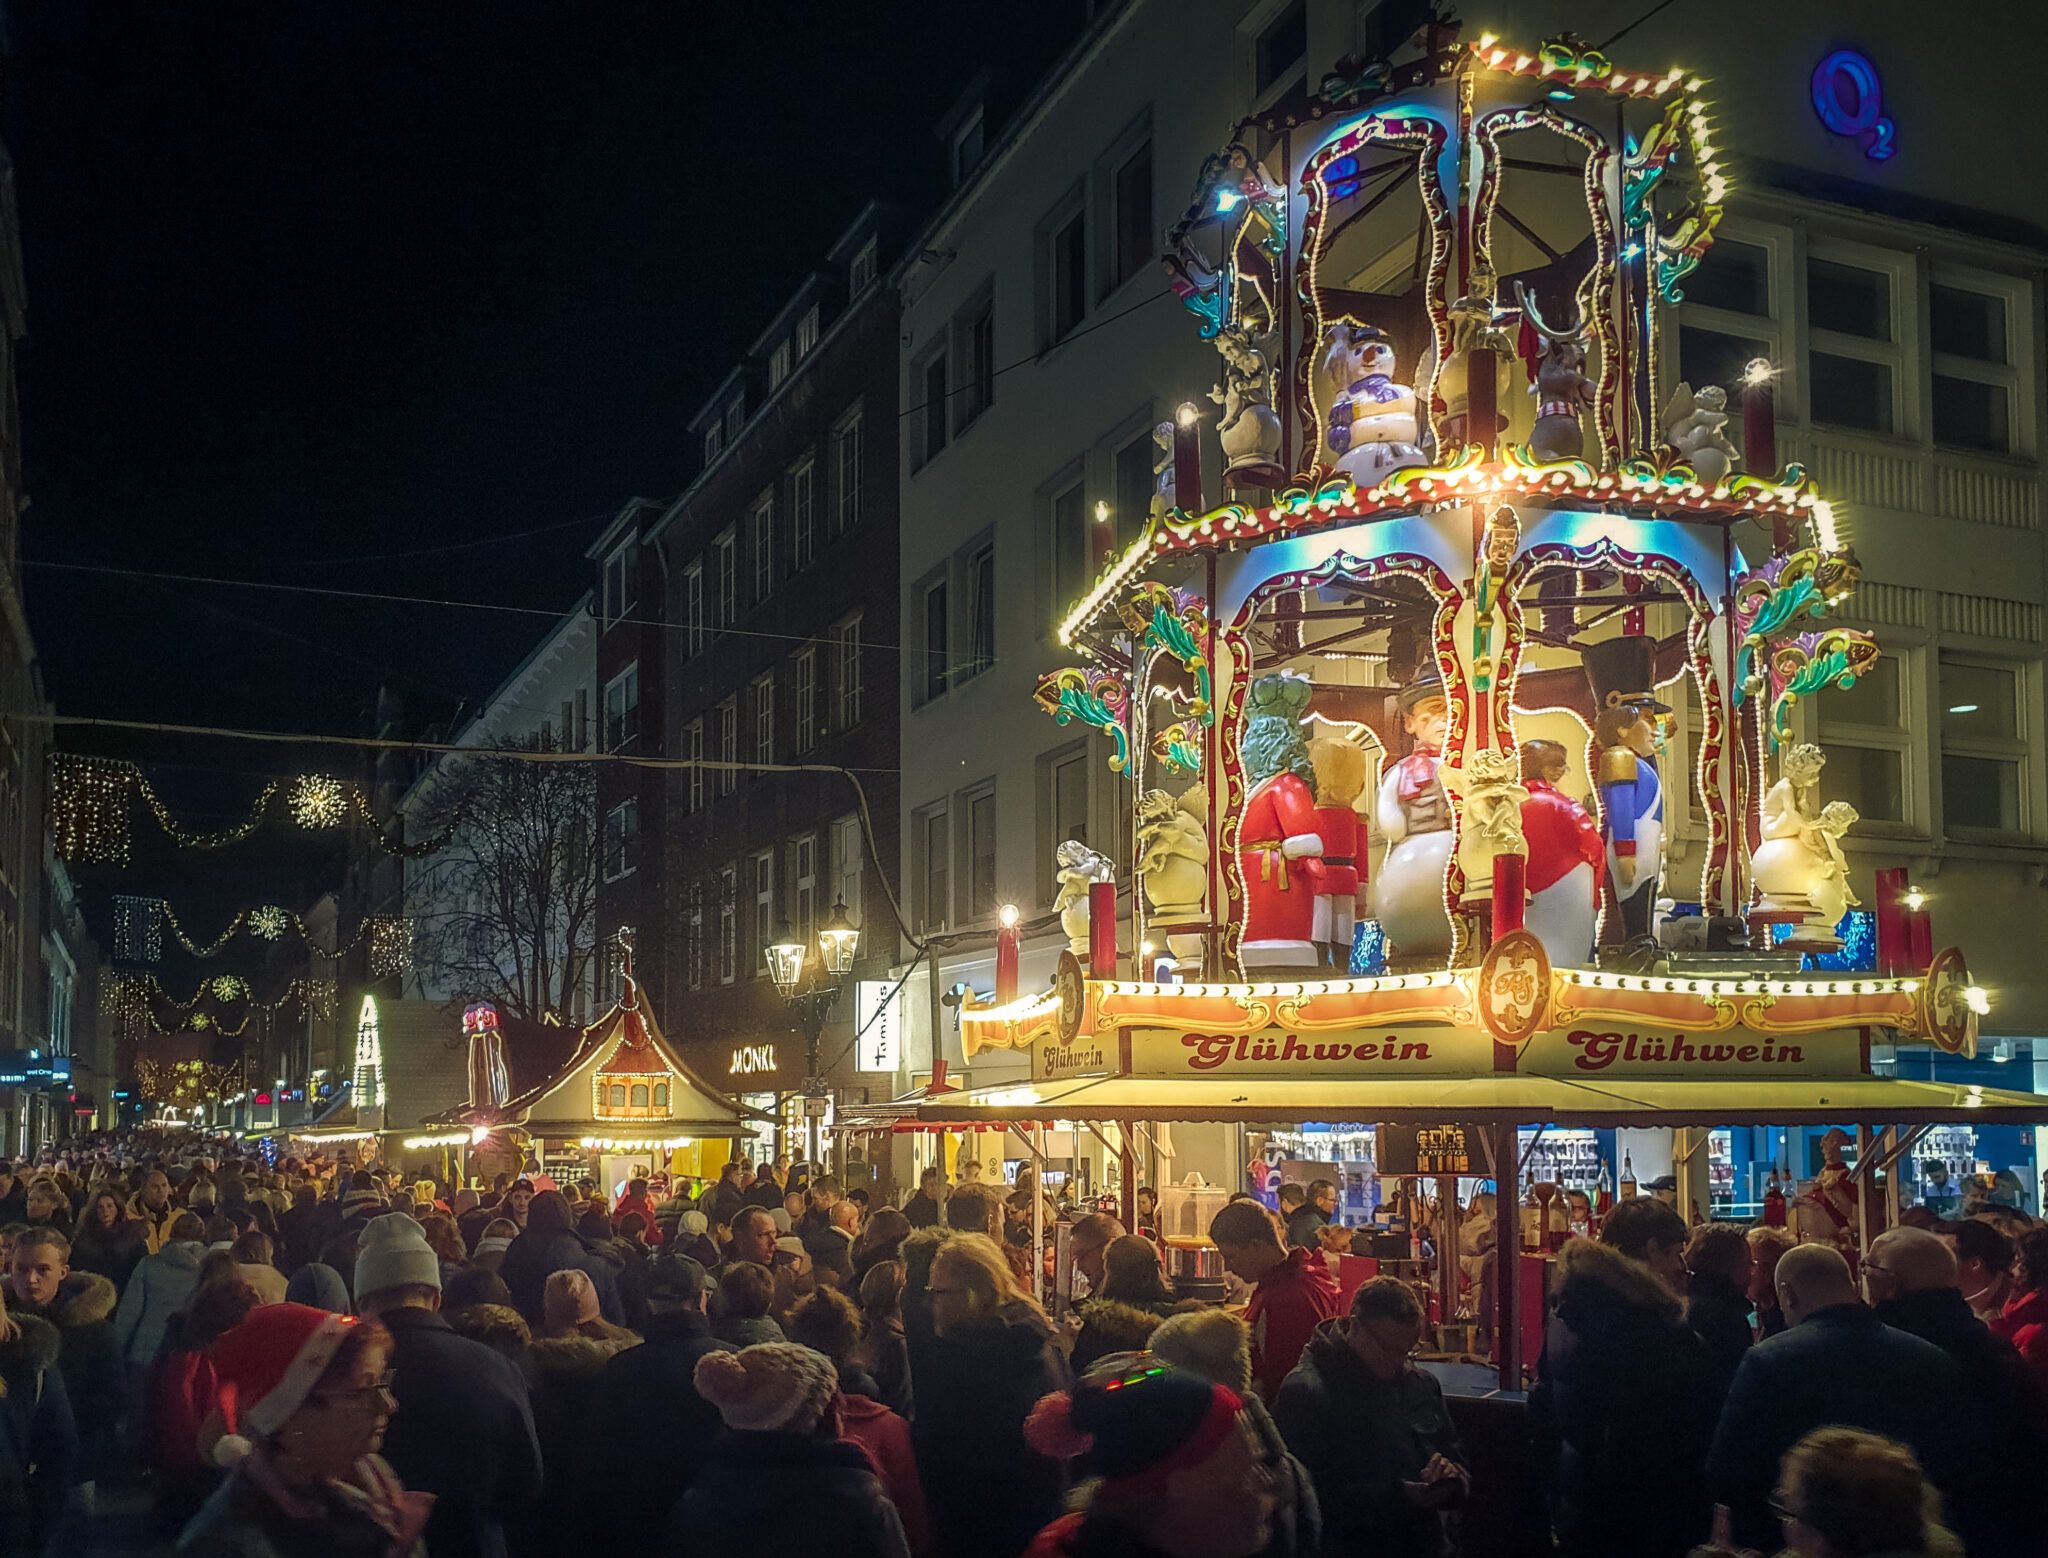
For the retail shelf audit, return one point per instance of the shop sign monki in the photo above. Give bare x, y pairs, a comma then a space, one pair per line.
1591, 1049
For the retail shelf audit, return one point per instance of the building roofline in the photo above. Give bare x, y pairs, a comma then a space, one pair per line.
607, 538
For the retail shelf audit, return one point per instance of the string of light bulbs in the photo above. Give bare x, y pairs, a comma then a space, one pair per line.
92, 803
140, 923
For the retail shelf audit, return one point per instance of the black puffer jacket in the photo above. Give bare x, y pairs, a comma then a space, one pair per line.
563, 1376
990, 1493
1717, 1312
549, 1245
786, 1493
35, 1432
1623, 1411
89, 1357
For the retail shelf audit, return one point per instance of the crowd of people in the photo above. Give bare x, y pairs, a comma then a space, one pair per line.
305, 1357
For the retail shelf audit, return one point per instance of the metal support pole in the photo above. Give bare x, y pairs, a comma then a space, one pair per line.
1507, 1261
1038, 1216
1866, 1222
1447, 1250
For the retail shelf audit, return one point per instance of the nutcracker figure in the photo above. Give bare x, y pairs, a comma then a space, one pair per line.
1414, 816
1567, 859
1340, 780
1622, 674
1277, 836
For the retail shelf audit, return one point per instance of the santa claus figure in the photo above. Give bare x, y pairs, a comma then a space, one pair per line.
1567, 860
1414, 816
1277, 835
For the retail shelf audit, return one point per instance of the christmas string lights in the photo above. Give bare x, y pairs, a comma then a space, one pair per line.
138, 929
91, 799
271, 922
136, 999
186, 1084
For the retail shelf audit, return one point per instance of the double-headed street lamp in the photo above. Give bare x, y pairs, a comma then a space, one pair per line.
810, 980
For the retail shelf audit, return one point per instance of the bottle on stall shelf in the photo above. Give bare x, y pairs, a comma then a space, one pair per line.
1603, 1196
1774, 1201
1628, 1177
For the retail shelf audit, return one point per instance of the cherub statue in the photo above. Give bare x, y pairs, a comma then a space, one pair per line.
1165, 489
1375, 425
1173, 860
1693, 423
1250, 429
1080, 868
1491, 784
1799, 865
1562, 389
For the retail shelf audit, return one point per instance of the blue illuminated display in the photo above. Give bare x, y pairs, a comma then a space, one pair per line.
1850, 101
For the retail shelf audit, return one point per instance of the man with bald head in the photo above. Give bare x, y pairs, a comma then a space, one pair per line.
1913, 1282
1836, 1363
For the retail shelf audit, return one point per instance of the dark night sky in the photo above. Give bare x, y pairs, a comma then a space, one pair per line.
311, 282
315, 280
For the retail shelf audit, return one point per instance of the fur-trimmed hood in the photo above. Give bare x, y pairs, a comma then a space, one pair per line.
1117, 1327
572, 1355
33, 1351
84, 1298
1592, 1274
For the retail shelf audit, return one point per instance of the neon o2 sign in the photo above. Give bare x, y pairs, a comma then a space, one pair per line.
1849, 99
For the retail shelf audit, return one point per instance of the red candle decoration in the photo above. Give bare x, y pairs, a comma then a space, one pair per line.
1894, 937
1187, 459
1510, 892
1102, 930
1009, 941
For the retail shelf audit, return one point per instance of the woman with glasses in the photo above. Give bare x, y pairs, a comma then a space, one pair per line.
304, 1399
1844, 1493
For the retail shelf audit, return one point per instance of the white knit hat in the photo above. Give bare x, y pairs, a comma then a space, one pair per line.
392, 1251
776, 1385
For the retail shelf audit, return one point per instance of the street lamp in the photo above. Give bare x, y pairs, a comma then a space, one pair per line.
810, 985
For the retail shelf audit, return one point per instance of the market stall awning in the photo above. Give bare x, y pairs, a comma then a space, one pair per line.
1505, 1099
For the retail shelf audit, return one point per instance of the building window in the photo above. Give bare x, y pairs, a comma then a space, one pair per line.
847, 643
803, 885
693, 936
761, 543
764, 718
778, 364
937, 669
807, 333
1064, 814
806, 698
1131, 217
621, 828
728, 927
977, 362
1983, 746
849, 859
622, 708
862, 270
764, 913
846, 454
693, 778
980, 844
661, 1095
1975, 382
1066, 273
728, 746
935, 900
981, 610
714, 442
1280, 50
1072, 550
802, 517
931, 411
965, 149
724, 554
1853, 359
1131, 504
735, 416
693, 611
1865, 731
621, 582
1729, 318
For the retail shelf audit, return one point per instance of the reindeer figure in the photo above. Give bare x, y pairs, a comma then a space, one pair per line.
1562, 388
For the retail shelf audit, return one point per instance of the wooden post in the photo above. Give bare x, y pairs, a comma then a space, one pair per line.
1507, 1258
1447, 1250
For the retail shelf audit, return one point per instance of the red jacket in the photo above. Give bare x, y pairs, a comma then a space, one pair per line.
182, 1391
2024, 1323
644, 1205
886, 1438
1289, 1303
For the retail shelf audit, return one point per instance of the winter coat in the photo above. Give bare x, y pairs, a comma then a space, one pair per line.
241, 1521
463, 1432
1839, 1365
988, 1491
724, 1200
628, 1263
1303, 1225
1717, 1312
764, 1191
562, 1381
747, 1330
89, 1358
887, 1357
2007, 1409
2023, 1321
922, 1211
1287, 1305
296, 1227
785, 1493
114, 1253
644, 1205
886, 1438
1360, 1438
156, 1226
648, 1413
161, 1286
1622, 1410
1090, 1534
1108, 1326
538, 1254
38, 1442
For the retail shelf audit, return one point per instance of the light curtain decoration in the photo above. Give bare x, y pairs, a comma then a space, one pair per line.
138, 929
137, 1000
92, 801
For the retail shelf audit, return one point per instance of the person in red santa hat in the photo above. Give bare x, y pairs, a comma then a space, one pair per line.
1278, 834
304, 1399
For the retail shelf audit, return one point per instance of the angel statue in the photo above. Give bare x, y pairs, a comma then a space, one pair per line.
1250, 428
1079, 869
1799, 863
1693, 423
1173, 860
